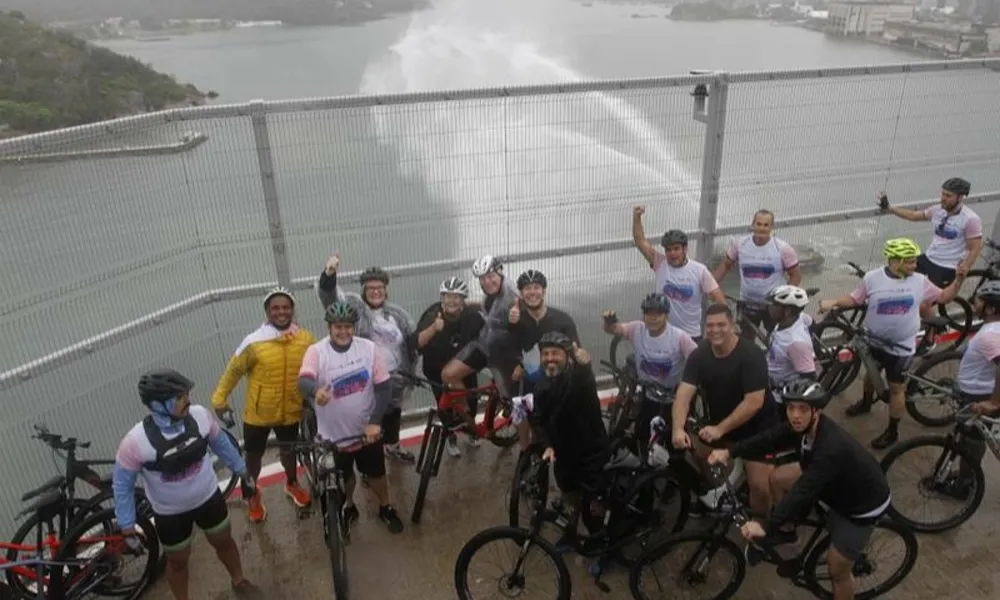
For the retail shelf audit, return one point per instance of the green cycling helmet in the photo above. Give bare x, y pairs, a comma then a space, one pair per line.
901, 248
341, 312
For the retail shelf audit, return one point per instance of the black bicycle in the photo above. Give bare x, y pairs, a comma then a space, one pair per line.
327, 482
746, 312
698, 550
622, 513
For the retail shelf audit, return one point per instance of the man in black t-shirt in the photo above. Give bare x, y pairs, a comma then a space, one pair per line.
731, 374
444, 329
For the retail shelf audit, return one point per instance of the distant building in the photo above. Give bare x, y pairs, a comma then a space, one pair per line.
851, 18
945, 38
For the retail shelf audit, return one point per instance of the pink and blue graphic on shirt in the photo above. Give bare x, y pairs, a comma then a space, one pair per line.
354, 382
656, 369
187, 473
759, 271
680, 292
897, 305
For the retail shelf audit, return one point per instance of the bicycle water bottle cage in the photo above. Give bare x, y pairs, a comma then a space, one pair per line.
178, 454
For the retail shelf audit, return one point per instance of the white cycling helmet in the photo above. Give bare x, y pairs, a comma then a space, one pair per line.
790, 295
454, 285
279, 291
487, 264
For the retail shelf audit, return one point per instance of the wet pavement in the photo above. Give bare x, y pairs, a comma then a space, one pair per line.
287, 558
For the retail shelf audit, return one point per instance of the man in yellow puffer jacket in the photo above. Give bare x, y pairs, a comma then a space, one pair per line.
270, 357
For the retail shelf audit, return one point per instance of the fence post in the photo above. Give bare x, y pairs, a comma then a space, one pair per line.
714, 118
265, 161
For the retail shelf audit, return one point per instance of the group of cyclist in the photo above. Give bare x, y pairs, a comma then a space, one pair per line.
756, 399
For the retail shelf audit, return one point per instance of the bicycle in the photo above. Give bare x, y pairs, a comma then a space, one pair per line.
801, 570
619, 511
63, 575
327, 482
991, 272
496, 419
955, 465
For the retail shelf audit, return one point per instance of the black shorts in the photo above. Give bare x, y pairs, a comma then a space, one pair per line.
938, 275
766, 419
255, 436
369, 460
849, 536
474, 356
175, 531
895, 367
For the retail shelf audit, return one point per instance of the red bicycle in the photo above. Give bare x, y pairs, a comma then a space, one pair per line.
496, 426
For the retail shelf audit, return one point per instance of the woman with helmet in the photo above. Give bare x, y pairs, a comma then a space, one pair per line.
957, 231
529, 319
384, 323
169, 451
444, 328
684, 281
832, 468
270, 358
896, 296
495, 348
661, 349
348, 381
790, 350
566, 423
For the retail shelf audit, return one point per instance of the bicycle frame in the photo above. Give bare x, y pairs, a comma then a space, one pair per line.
74, 588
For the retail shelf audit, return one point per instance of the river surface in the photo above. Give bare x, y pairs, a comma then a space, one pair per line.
88, 246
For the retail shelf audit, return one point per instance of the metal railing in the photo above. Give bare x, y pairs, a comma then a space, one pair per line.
102, 257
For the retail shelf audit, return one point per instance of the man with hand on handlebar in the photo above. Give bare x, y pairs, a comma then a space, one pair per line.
350, 384
896, 296
833, 468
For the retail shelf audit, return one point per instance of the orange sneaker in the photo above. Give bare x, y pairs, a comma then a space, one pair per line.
257, 511
298, 495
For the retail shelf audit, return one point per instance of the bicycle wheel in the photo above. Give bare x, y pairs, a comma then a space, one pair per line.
232, 480
928, 406
518, 542
864, 567
691, 570
960, 316
497, 421
930, 486
658, 506
335, 544
97, 557
426, 472
827, 337
620, 348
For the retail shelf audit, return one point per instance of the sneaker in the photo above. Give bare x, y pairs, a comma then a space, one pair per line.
394, 451
475, 441
391, 519
452, 447
245, 589
257, 512
861, 407
298, 495
885, 440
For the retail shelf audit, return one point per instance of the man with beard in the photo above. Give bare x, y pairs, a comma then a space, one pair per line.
386, 324
444, 328
270, 357
566, 421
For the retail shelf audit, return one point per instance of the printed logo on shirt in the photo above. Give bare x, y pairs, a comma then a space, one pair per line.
187, 473
678, 291
947, 231
899, 305
349, 384
757, 271
657, 369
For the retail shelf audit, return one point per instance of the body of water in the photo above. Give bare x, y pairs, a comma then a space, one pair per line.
88, 246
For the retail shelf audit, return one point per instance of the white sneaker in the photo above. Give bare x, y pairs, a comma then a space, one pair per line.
452, 447
475, 441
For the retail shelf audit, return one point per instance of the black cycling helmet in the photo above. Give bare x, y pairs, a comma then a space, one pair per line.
341, 312
989, 293
806, 391
554, 339
532, 276
374, 274
160, 385
957, 185
656, 301
674, 236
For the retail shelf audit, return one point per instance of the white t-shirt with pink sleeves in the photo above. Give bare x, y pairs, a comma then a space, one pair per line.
350, 377
172, 494
762, 268
685, 287
977, 372
894, 307
790, 353
661, 358
951, 233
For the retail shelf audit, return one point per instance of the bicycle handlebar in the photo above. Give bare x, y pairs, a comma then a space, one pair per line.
56, 441
858, 271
